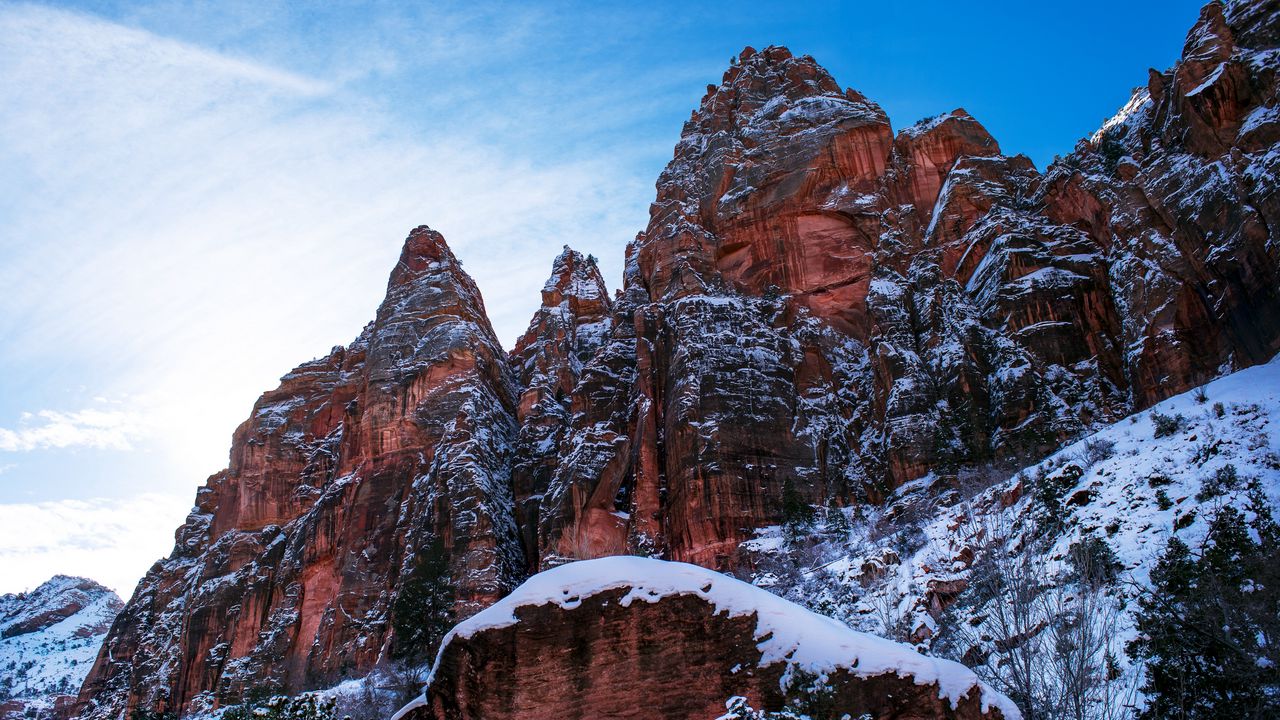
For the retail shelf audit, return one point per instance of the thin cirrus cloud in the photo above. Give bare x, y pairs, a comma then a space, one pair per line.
189, 226
88, 428
182, 227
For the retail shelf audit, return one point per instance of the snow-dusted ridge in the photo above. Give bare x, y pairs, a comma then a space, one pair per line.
49, 638
786, 632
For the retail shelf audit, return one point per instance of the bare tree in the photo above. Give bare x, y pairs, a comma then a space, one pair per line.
1051, 643
887, 609
383, 691
1083, 662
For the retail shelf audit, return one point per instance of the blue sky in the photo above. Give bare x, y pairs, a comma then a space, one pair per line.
198, 196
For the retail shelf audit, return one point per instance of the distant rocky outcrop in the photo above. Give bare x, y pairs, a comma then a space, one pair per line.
634, 637
48, 639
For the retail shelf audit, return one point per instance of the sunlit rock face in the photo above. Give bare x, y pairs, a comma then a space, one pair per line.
819, 308
822, 303
283, 575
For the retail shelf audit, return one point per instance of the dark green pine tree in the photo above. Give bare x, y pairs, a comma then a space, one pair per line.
1209, 627
796, 513
834, 523
423, 611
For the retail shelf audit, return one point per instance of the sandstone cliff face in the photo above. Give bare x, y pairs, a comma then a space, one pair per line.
821, 303
639, 638
283, 574
1180, 190
817, 303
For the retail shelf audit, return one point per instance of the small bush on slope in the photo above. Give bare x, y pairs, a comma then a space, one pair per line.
281, 707
1093, 562
1225, 480
1166, 425
1050, 488
1097, 450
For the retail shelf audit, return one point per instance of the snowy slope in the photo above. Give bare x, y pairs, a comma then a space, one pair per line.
906, 571
49, 638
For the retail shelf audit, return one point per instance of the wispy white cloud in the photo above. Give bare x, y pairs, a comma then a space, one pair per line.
111, 541
191, 226
183, 226
90, 428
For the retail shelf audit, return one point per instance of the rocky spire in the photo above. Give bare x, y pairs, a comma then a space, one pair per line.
760, 168
565, 333
285, 572
569, 326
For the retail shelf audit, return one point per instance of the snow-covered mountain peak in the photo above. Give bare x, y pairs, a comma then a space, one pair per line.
48, 640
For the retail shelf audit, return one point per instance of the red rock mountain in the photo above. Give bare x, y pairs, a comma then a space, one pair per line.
817, 303
820, 302
283, 575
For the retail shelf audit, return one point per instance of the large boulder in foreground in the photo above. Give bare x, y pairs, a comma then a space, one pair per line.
631, 637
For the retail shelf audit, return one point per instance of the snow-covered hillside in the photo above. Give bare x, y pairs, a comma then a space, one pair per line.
48, 640
937, 566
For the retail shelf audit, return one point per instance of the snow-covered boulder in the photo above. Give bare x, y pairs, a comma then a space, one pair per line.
644, 638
